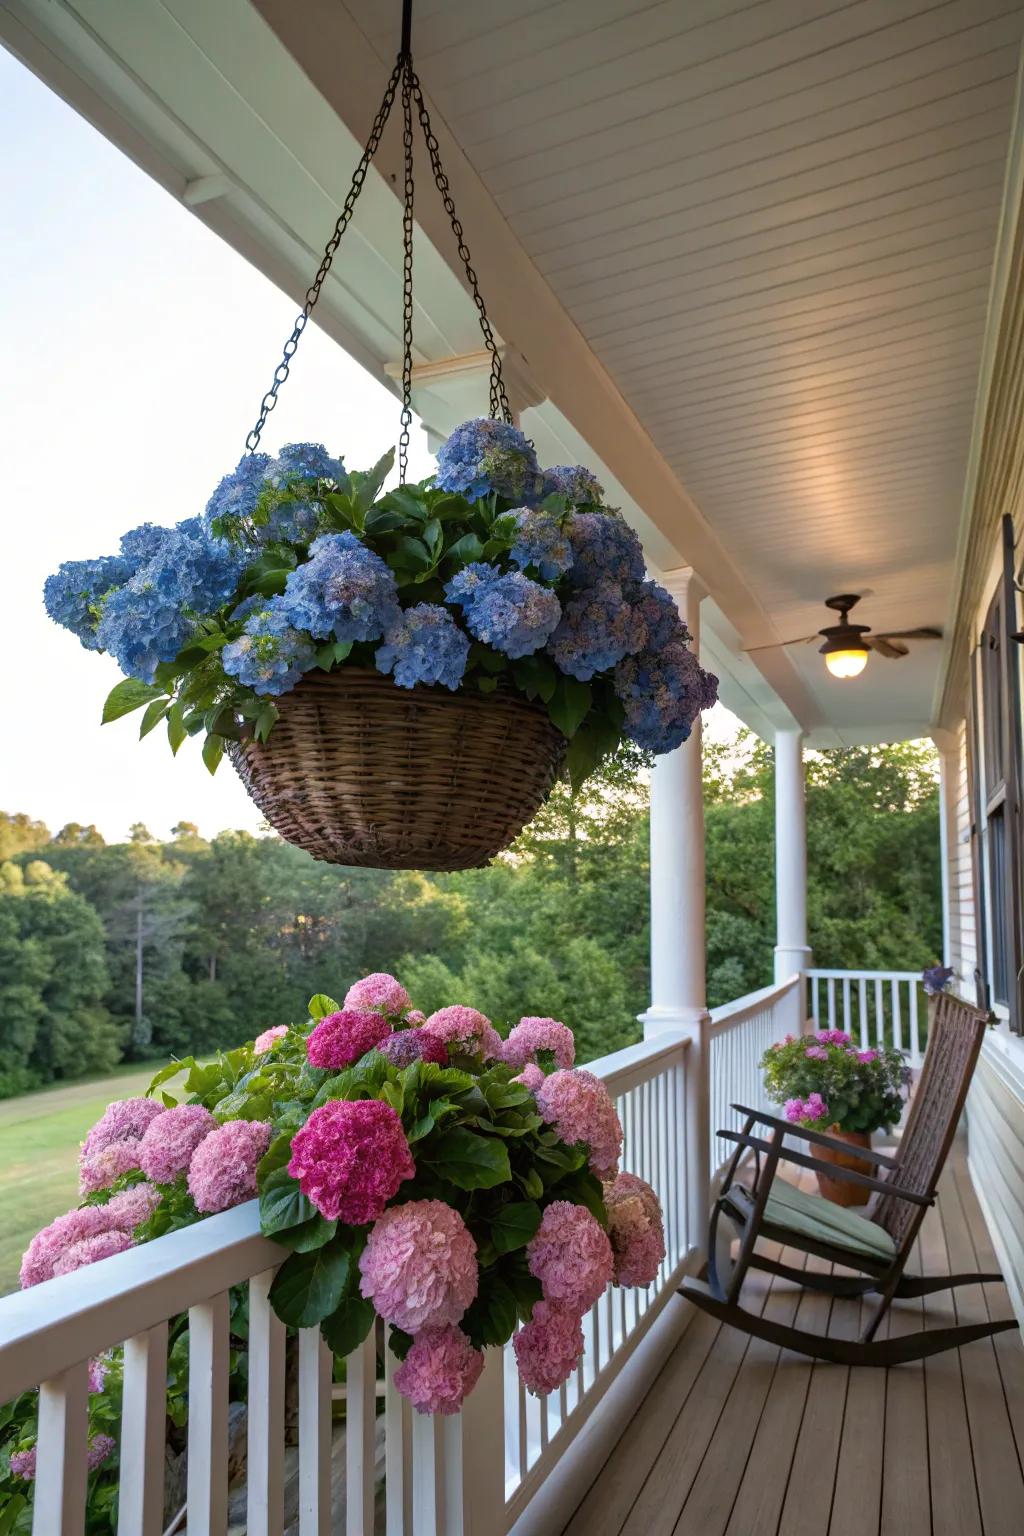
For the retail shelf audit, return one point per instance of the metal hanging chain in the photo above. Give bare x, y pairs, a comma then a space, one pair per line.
407, 228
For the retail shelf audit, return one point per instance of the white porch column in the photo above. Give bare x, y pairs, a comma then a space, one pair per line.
791, 950
678, 958
948, 747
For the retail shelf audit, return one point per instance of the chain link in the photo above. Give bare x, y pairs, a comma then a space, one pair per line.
407, 228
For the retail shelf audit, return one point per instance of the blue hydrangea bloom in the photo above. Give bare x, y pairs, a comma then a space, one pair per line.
73, 593
248, 606
238, 492
344, 589
270, 655
509, 612
291, 522
658, 613
599, 627
485, 455
192, 526
541, 542
424, 645
140, 544
604, 549
573, 481
662, 693
305, 461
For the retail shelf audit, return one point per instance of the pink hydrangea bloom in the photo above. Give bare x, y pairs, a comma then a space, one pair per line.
834, 1036
571, 1256
167, 1147
378, 993
133, 1206
580, 1108
532, 1076
415, 1016
125, 1120
816, 1053
100, 1169
635, 1228
461, 1028
811, 1108
97, 1373
419, 1266
341, 1038
531, 1036
268, 1038
492, 1046
222, 1172
100, 1447
548, 1348
91, 1249
65, 1232
350, 1159
440, 1370
408, 1045
23, 1464
867, 1055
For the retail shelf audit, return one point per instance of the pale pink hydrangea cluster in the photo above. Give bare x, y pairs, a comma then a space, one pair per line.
222, 1172
811, 1108
124, 1120
462, 1029
441, 1369
97, 1373
171, 1139
635, 1228
531, 1036
378, 993
342, 1038
408, 1045
23, 1463
133, 1206
531, 1076
419, 1266
350, 1159
548, 1347
580, 1108
816, 1053
100, 1169
571, 1256
91, 1249
268, 1039
75, 1238
415, 1016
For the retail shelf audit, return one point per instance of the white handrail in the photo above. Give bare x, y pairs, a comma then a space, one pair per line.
740, 1033
874, 1007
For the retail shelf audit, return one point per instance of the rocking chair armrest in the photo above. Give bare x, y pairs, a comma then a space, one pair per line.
819, 1165
819, 1138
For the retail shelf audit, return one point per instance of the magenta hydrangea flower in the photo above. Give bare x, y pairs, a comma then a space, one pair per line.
548, 1348
341, 1038
811, 1108
100, 1447
124, 1120
350, 1159
419, 1266
834, 1036
460, 1028
866, 1056
635, 1228
816, 1053
580, 1108
268, 1039
101, 1169
378, 993
571, 1256
531, 1036
91, 1249
167, 1147
222, 1172
440, 1370
23, 1464
532, 1076
408, 1045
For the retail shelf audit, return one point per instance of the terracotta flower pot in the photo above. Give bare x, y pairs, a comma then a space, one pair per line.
838, 1190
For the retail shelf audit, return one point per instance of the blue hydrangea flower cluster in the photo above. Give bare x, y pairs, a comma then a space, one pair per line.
139, 545
541, 542
510, 612
576, 483
270, 655
344, 589
604, 549
663, 692
73, 594
238, 492
598, 628
291, 522
424, 645
482, 456
658, 614
305, 461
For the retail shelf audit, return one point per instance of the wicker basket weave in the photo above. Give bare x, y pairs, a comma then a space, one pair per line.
359, 771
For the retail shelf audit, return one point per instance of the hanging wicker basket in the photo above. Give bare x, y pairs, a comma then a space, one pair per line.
359, 771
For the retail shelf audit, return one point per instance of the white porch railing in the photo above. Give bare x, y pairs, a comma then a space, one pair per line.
875, 1007
740, 1032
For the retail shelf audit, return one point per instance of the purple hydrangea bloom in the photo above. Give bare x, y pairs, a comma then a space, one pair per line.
482, 456
658, 613
663, 692
542, 542
936, 978
510, 612
424, 645
574, 482
604, 549
238, 492
343, 588
598, 629
73, 595
305, 461
270, 655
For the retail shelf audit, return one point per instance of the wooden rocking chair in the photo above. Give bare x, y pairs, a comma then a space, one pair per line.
877, 1244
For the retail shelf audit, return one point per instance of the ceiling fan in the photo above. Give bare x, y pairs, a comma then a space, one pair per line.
847, 645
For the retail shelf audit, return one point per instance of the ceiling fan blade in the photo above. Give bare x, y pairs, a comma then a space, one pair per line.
885, 646
776, 645
925, 633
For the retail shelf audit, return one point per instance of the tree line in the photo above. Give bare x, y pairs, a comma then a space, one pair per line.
137, 950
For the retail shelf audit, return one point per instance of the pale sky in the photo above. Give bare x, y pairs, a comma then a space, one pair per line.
137, 346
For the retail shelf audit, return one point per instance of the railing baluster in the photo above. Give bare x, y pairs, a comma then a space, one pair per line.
360, 1437
397, 1453
265, 1463
61, 1451
847, 1010
208, 1418
315, 1363
897, 1021
140, 1504
915, 1028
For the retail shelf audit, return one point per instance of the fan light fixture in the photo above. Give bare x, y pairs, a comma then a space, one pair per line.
845, 663
845, 651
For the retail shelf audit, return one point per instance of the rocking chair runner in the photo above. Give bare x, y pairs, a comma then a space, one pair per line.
876, 1244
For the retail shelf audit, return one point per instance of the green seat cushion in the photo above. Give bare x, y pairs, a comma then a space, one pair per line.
813, 1217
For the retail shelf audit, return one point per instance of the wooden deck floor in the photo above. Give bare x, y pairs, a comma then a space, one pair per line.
738, 1438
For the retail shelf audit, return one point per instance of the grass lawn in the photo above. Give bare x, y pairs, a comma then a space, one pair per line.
40, 1135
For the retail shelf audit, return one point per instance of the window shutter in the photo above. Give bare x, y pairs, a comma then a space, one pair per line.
975, 793
1013, 771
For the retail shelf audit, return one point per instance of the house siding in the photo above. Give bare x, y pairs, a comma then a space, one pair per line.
995, 1130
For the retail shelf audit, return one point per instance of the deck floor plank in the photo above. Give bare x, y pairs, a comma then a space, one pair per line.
906, 1492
